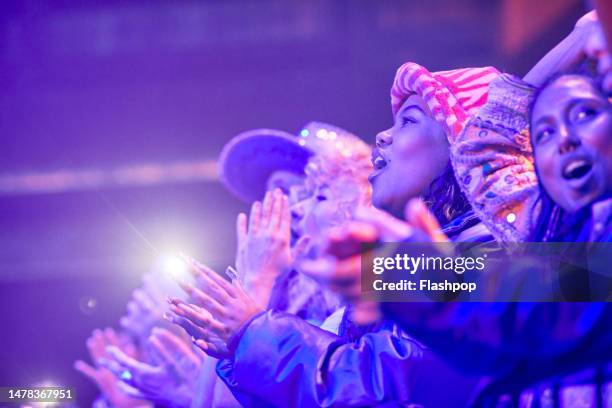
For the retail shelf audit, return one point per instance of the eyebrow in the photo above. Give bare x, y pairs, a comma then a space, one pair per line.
548, 118
407, 108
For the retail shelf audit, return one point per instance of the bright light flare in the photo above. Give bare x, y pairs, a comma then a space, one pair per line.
174, 266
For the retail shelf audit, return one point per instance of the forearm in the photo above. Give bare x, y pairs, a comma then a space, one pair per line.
565, 55
604, 11
302, 365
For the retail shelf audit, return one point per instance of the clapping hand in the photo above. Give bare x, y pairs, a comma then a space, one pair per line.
109, 384
169, 379
217, 311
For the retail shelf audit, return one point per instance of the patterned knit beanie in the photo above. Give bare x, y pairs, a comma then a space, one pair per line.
452, 96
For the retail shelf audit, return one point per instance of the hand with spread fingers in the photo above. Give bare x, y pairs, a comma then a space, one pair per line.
218, 310
108, 384
169, 380
340, 268
264, 241
144, 311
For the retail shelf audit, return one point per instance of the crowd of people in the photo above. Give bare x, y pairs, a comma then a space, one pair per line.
473, 155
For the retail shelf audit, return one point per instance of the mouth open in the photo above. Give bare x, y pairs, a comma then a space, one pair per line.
379, 162
577, 169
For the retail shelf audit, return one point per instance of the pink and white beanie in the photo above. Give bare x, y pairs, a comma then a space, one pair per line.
452, 96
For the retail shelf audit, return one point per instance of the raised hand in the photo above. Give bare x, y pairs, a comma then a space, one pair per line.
169, 381
144, 311
264, 240
104, 379
218, 310
595, 47
340, 268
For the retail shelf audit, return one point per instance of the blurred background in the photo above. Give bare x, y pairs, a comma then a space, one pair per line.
113, 112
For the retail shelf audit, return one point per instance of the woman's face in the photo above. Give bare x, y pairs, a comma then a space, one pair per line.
572, 140
325, 208
408, 157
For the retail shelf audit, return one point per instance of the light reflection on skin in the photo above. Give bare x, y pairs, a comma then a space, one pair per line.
571, 135
409, 156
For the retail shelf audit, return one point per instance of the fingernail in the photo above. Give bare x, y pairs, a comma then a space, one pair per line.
231, 273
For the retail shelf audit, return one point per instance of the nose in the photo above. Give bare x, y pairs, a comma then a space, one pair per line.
384, 139
297, 212
568, 140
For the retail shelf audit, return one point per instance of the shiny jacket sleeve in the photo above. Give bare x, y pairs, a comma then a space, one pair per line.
281, 360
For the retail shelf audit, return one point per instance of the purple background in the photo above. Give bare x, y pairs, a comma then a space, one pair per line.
100, 84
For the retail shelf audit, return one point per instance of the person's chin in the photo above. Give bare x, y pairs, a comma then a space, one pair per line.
381, 196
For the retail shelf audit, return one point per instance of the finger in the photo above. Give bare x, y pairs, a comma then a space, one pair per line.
277, 208
322, 269
163, 355
205, 321
182, 305
343, 277
267, 209
419, 215
231, 273
328, 269
174, 344
113, 366
350, 240
366, 312
86, 369
388, 226
133, 308
285, 220
174, 351
204, 282
207, 302
144, 301
202, 345
95, 345
124, 360
193, 330
126, 323
111, 337
241, 229
213, 298
300, 247
208, 347
254, 218
131, 391
212, 277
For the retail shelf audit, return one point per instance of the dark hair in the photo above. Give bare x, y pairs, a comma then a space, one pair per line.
445, 198
554, 224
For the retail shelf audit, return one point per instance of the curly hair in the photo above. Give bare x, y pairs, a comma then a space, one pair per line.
445, 198
346, 172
